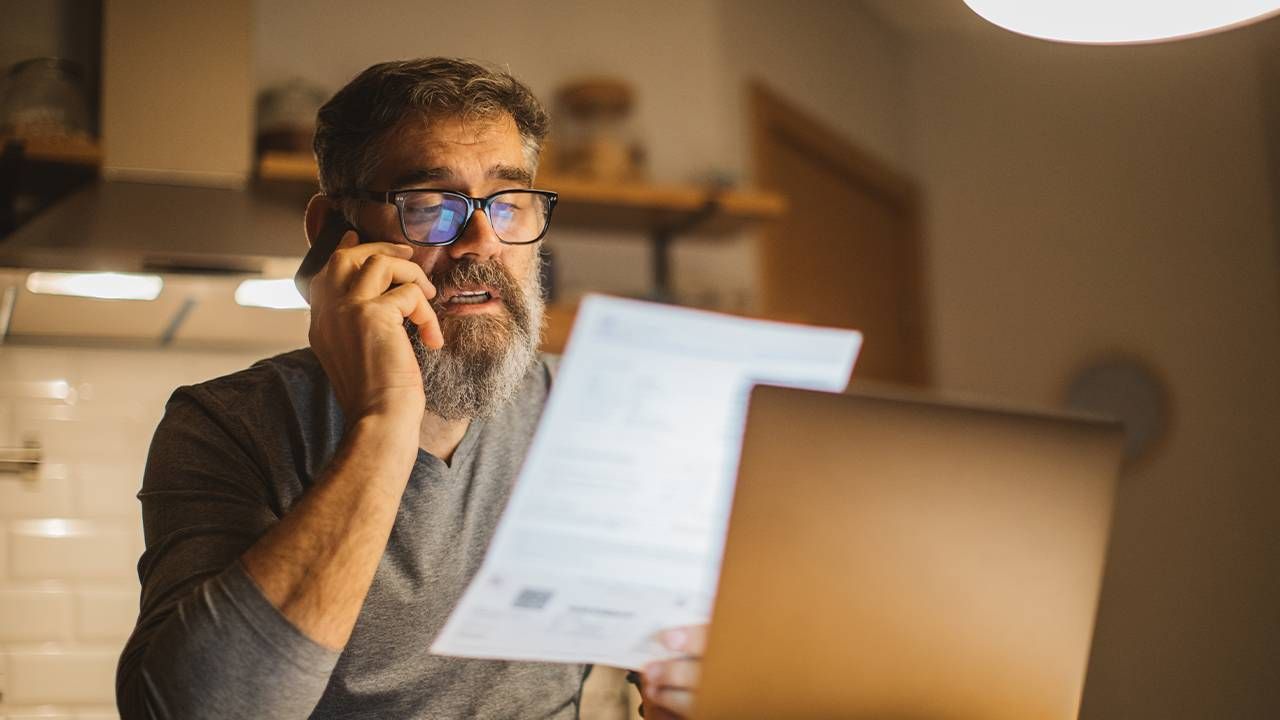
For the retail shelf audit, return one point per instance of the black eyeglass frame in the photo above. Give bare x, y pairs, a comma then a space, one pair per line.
395, 197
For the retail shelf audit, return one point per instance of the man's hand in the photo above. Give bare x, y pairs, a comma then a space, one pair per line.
670, 685
317, 563
358, 305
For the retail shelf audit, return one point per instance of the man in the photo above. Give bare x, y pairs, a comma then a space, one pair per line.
311, 521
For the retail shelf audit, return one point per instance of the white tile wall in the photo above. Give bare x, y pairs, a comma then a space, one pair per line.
33, 614
47, 495
49, 549
105, 613
4, 561
64, 675
70, 539
108, 489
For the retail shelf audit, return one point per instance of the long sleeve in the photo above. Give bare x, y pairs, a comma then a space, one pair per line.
207, 642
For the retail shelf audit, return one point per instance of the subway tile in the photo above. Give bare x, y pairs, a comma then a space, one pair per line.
122, 376
4, 559
19, 364
207, 366
108, 489
102, 713
56, 390
55, 712
137, 410
40, 712
35, 615
104, 440
7, 434
106, 614
29, 415
56, 548
64, 676
141, 400
46, 495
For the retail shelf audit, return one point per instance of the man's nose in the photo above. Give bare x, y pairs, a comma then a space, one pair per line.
478, 243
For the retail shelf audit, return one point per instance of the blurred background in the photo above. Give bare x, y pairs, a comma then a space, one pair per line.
1005, 218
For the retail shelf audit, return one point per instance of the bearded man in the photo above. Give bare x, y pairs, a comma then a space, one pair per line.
311, 521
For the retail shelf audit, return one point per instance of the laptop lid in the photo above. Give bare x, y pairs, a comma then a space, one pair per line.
895, 558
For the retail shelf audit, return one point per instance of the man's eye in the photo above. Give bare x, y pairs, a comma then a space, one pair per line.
422, 213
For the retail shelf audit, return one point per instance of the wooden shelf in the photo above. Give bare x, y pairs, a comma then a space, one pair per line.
287, 167
63, 150
610, 206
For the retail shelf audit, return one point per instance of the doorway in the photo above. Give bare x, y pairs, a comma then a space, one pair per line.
847, 251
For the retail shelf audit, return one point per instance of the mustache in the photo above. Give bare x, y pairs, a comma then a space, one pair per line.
471, 273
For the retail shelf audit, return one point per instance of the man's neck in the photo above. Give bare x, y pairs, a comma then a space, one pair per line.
441, 437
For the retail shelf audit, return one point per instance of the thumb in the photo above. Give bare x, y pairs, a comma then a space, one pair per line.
349, 239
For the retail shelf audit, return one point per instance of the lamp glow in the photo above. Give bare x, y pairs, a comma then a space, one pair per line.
275, 294
1120, 21
100, 285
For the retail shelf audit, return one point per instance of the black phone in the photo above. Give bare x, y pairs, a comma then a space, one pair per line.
335, 226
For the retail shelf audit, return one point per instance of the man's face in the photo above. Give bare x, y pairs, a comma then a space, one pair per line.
489, 343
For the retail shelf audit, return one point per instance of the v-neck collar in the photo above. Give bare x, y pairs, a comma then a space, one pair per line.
464, 450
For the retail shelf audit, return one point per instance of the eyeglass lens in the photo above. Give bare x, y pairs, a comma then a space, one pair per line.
434, 218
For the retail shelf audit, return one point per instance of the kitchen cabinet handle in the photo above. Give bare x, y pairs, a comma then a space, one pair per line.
20, 462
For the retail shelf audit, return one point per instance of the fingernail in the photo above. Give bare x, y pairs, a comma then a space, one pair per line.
675, 639
653, 673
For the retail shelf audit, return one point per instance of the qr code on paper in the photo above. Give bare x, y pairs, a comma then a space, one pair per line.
533, 598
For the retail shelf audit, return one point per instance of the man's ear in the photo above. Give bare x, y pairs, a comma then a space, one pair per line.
318, 208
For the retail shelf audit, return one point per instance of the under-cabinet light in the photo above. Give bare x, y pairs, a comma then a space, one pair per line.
101, 285
275, 294
1120, 21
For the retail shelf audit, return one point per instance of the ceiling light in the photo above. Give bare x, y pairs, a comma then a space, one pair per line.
275, 294
101, 285
1120, 21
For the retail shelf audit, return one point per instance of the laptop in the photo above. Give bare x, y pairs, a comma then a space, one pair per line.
900, 558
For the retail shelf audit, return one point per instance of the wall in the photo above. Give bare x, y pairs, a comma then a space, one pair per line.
1089, 199
835, 60
70, 540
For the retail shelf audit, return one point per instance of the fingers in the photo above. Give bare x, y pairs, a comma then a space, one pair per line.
690, 640
684, 673
379, 272
346, 260
671, 685
353, 262
370, 271
411, 303
678, 702
349, 239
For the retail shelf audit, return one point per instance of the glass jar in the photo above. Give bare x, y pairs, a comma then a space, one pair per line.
44, 97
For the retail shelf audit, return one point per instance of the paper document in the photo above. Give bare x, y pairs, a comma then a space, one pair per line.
616, 524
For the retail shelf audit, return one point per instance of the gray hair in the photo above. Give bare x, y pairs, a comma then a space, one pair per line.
351, 126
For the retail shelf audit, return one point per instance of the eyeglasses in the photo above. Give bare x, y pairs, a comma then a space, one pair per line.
439, 217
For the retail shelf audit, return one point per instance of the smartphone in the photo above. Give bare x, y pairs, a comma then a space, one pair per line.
335, 226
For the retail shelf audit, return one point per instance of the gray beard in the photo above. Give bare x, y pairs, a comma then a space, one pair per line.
485, 357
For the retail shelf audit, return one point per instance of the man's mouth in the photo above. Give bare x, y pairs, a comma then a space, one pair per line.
469, 297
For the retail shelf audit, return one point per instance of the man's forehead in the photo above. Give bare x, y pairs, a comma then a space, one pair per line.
423, 149
455, 128
428, 174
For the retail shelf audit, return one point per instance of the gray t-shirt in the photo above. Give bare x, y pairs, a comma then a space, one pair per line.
229, 459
